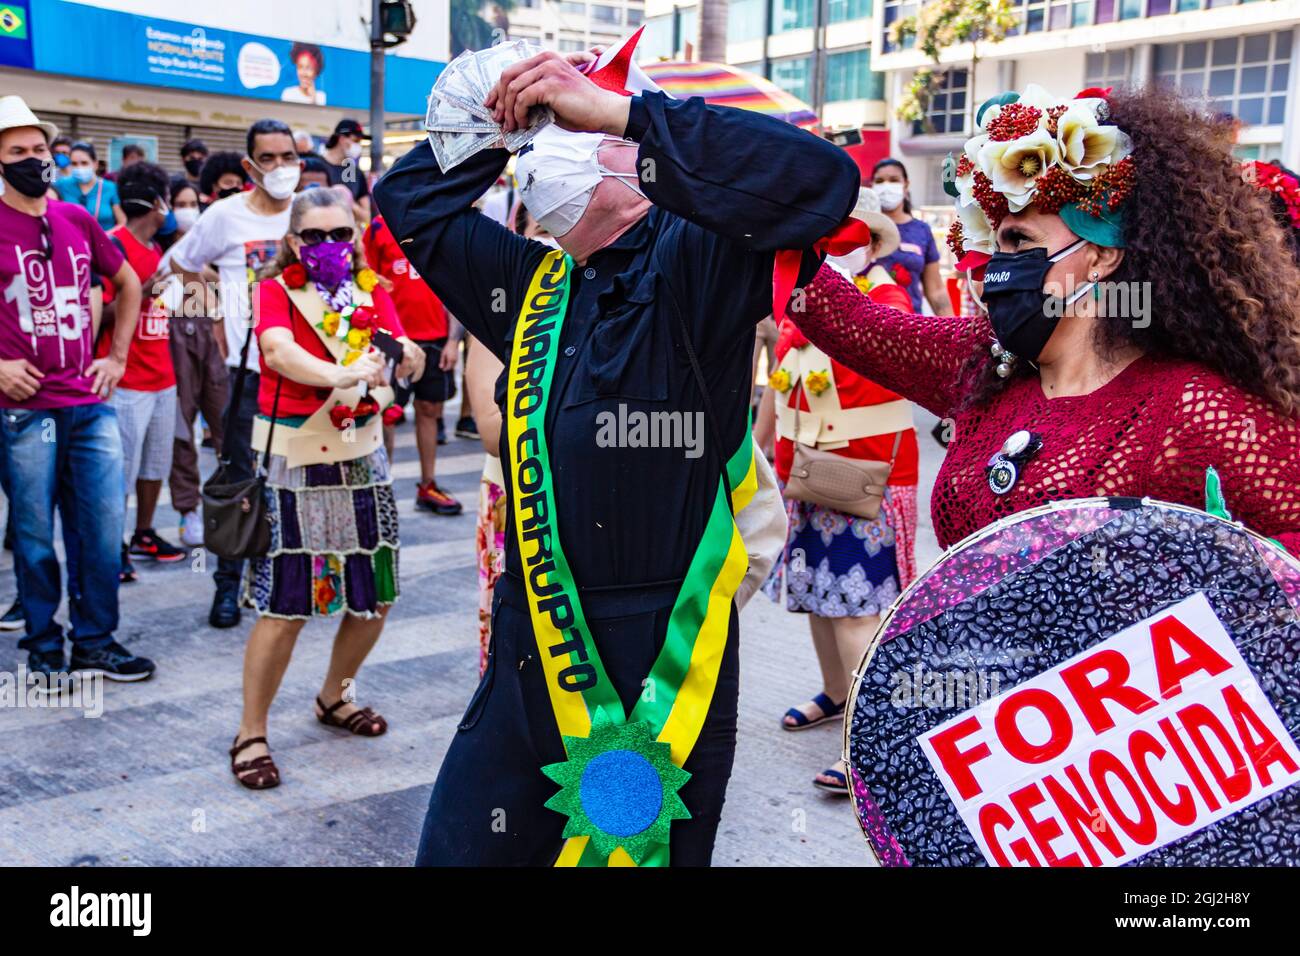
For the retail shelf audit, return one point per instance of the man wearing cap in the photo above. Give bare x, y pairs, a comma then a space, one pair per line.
193, 155
57, 434
342, 154
614, 630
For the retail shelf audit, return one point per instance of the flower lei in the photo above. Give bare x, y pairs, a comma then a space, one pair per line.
1034, 148
353, 324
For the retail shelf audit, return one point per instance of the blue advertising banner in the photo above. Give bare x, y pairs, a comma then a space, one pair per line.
15, 35
82, 40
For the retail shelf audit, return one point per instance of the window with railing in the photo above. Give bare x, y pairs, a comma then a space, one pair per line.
849, 77
794, 75
949, 106
1244, 76
841, 11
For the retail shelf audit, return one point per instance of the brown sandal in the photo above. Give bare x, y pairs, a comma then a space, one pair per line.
360, 722
260, 773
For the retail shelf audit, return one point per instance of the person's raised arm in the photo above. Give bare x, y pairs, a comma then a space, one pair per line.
921, 357
477, 267
763, 183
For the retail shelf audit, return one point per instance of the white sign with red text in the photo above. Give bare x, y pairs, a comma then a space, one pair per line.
1152, 734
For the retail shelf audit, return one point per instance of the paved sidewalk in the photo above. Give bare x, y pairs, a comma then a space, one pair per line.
148, 782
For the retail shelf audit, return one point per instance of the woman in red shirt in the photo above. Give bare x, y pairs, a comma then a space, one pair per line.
841, 569
1142, 319
324, 391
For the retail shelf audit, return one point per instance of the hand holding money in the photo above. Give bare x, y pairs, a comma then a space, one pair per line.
557, 82
458, 123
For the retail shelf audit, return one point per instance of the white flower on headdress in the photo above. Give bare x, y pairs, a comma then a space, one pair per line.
1086, 147
976, 230
966, 183
1037, 97
1014, 166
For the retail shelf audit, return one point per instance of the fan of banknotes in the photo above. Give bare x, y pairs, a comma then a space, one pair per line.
458, 123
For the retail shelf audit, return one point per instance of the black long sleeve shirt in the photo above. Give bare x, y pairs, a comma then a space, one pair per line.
729, 188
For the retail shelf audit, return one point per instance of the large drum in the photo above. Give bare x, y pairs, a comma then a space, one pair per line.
1095, 682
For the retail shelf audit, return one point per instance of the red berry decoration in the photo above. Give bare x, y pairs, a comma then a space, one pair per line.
362, 318
1014, 121
392, 414
956, 238
901, 275
365, 406
990, 200
964, 166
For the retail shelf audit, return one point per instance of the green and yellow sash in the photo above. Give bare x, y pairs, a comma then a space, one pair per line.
620, 779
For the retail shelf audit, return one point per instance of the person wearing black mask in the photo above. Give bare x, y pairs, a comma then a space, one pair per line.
52, 385
222, 175
193, 155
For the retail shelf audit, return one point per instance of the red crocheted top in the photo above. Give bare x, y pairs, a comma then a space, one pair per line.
1149, 432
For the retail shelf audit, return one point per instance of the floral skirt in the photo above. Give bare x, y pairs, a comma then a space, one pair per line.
491, 558
333, 541
840, 565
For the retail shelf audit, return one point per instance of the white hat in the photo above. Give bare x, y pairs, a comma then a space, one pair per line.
15, 113
882, 227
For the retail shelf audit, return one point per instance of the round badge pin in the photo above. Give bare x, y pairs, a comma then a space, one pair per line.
1002, 476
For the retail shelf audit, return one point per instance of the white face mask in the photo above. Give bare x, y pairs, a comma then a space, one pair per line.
558, 176
186, 216
282, 181
889, 194
354, 151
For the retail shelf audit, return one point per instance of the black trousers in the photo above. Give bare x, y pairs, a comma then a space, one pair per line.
237, 443
487, 806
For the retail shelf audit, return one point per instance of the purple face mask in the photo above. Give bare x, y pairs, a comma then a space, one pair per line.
327, 263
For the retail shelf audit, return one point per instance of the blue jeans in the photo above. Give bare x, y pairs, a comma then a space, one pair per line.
72, 457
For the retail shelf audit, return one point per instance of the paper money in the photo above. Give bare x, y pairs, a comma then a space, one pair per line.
457, 122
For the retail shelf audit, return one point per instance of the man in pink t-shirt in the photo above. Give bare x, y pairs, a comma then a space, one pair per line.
58, 440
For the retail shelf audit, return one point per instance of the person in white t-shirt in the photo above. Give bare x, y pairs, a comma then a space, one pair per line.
238, 235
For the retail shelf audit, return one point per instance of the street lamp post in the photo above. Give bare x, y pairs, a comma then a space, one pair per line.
377, 49
391, 22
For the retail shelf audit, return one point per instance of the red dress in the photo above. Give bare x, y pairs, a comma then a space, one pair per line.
1150, 432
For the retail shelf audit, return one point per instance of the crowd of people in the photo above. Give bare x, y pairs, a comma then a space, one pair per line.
298, 305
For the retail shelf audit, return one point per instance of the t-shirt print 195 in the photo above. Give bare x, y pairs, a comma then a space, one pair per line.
45, 298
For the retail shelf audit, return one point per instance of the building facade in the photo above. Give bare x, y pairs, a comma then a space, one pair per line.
818, 50
567, 25
1242, 56
157, 72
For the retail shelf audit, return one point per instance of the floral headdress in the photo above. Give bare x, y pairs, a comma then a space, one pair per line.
1276, 180
1033, 148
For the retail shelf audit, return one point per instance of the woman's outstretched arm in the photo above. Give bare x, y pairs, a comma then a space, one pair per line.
918, 356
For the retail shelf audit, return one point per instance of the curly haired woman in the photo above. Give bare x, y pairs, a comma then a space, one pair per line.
1142, 318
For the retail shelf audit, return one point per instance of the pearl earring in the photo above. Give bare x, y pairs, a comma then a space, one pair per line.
1006, 361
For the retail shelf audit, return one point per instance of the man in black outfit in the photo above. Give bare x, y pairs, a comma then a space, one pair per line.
726, 189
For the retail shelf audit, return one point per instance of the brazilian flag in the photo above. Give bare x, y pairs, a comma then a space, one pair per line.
13, 22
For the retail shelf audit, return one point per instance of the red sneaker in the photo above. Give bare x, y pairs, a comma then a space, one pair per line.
429, 497
149, 544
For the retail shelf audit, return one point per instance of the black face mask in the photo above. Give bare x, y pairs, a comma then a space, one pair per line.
1017, 304
30, 176
192, 166
224, 193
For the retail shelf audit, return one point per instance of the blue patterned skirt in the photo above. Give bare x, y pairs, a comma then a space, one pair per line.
836, 564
